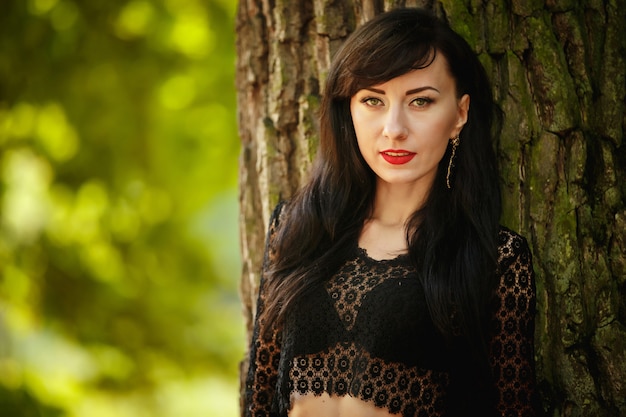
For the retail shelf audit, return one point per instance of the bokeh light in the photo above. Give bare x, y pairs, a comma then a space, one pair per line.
119, 252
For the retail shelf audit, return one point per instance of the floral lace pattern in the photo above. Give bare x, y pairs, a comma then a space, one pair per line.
347, 370
355, 280
265, 351
356, 360
512, 356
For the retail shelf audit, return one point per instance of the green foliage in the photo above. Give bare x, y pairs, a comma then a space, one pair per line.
118, 212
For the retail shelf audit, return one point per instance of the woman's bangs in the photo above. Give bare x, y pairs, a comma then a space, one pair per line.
383, 65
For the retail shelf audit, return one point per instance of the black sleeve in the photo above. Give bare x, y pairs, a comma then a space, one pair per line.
513, 327
265, 346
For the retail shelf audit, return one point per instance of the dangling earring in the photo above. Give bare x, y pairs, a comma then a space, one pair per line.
455, 142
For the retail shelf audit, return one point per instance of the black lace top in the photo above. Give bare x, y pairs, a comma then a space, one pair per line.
366, 332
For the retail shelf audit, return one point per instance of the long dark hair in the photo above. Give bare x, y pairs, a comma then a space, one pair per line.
452, 239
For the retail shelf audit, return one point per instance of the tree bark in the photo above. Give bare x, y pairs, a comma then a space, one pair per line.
558, 70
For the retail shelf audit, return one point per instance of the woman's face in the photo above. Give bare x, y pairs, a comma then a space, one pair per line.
403, 125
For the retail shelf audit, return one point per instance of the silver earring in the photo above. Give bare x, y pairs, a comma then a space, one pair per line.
455, 142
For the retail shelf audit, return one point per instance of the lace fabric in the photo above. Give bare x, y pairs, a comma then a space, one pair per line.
366, 333
347, 368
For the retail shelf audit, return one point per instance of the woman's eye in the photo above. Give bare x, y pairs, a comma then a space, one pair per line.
421, 101
372, 101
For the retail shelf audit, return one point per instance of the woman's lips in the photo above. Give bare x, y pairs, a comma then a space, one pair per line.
397, 156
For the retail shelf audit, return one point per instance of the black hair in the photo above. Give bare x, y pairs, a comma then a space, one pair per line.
452, 239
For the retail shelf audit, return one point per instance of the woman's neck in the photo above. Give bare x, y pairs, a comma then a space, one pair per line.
394, 204
384, 233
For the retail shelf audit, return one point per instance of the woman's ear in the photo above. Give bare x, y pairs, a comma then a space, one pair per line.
463, 105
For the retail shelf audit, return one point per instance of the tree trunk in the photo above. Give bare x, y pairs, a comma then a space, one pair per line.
558, 71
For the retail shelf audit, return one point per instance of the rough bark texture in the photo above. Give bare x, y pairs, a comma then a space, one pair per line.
558, 69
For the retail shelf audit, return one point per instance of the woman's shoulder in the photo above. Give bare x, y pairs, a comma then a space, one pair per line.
511, 247
277, 214
275, 220
516, 288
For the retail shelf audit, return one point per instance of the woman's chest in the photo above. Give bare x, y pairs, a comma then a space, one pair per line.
377, 305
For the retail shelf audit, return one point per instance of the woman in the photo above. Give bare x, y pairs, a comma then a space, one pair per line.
388, 286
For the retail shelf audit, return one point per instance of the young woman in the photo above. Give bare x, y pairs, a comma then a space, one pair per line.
389, 288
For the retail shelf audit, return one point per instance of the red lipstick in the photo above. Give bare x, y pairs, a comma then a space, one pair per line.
397, 156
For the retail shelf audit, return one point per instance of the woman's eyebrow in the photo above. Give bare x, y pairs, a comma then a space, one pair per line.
408, 93
420, 89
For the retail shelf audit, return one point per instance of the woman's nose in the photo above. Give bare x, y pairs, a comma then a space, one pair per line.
395, 125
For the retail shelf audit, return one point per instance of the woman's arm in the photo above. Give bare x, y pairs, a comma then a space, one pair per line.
265, 344
512, 330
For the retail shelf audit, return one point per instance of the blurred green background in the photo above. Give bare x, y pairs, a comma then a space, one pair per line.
119, 253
